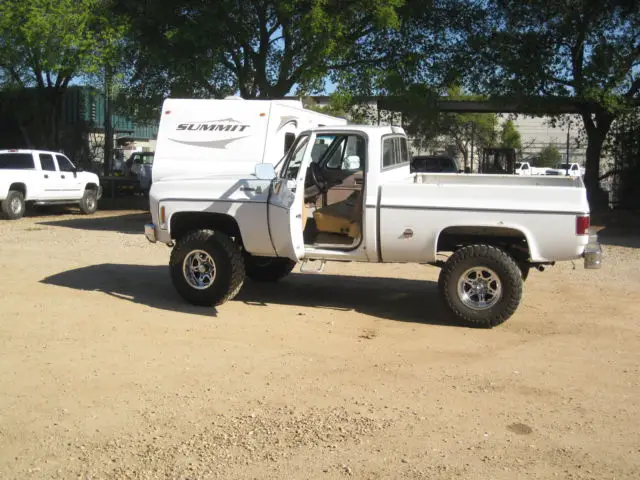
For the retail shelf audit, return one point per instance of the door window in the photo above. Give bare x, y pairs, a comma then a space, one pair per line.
290, 171
64, 164
394, 152
46, 162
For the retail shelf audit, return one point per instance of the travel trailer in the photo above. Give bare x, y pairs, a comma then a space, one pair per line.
213, 137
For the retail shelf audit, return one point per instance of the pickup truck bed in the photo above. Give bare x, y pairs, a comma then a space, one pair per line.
463, 204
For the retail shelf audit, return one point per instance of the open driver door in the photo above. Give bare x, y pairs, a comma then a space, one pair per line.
285, 206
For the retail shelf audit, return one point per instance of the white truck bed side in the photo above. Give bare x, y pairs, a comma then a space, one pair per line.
504, 201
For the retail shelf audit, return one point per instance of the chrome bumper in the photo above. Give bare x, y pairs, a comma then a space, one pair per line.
150, 232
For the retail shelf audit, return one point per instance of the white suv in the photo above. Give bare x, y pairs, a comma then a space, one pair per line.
44, 178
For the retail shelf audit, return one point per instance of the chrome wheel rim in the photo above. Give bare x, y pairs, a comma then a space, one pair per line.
199, 269
91, 202
479, 288
16, 206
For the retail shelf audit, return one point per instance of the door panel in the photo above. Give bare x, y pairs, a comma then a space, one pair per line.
285, 204
50, 178
70, 186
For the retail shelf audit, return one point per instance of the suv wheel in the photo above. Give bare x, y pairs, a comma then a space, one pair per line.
89, 202
14, 205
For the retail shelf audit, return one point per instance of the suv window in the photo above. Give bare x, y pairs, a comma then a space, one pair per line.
64, 164
16, 161
46, 162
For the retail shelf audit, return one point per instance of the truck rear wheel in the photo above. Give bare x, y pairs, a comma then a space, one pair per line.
481, 284
207, 268
267, 269
14, 205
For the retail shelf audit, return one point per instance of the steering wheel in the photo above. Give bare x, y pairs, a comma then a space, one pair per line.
317, 178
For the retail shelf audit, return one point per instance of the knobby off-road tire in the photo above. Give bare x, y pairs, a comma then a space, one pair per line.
14, 205
498, 273
267, 269
89, 202
207, 268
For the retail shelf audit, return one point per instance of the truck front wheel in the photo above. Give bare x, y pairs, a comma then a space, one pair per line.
481, 284
267, 269
14, 206
207, 268
89, 202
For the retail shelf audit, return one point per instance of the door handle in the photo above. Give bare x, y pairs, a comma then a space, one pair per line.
46, 176
62, 176
248, 189
359, 181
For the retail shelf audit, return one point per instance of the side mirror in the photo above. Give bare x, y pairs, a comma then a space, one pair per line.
352, 162
265, 171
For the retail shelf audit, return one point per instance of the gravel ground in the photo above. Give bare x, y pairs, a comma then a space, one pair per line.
356, 372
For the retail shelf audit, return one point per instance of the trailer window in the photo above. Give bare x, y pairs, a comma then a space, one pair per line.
16, 161
289, 138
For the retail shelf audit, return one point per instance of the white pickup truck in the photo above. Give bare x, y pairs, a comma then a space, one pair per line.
570, 169
44, 178
345, 193
525, 168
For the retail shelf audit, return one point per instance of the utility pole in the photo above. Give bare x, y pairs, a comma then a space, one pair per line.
108, 127
473, 138
568, 130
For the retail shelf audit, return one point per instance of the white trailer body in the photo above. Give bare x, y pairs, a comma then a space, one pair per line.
230, 136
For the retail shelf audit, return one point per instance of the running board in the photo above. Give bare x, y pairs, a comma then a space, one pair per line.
317, 268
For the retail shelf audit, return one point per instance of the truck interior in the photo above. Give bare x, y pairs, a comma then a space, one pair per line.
334, 192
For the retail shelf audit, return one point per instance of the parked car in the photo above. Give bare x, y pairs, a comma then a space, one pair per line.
570, 169
434, 164
359, 202
44, 178
140, 164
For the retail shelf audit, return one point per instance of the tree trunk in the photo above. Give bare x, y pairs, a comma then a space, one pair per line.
596, 133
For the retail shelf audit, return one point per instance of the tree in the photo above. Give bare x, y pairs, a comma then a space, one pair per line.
588, 50
46, 44
549, 157
509, 136
261, 48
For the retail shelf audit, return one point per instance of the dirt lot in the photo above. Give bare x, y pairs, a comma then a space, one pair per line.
106, 373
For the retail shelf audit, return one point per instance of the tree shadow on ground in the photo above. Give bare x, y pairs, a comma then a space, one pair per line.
386, 298
620, 237
131, 224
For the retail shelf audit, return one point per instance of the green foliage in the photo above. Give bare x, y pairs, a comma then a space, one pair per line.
46, 44
343, 105
260, 49
509, 136
549, 157
585, 49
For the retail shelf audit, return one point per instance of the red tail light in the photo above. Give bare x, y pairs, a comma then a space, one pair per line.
582, 224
